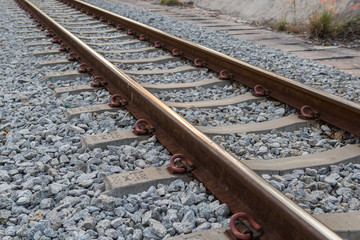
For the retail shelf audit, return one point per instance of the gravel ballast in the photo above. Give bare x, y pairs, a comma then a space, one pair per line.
51, 188
327, 190
283, 63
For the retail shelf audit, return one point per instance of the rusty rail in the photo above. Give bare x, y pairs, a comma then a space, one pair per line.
330, 108
228, 179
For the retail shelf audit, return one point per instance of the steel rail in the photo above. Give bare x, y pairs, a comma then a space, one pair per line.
330, 108
229, 180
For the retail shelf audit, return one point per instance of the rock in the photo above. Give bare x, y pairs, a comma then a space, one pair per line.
4, 187
4, 216
330, 180
222, 211
342, 190
112, 233
89, 223
137, 235
39, 195
5, 201
23, 200
117, 222
205, 211
189, 219
277, 185
188, 199
310, 172
148, 234
157, 228
104, 202
55, 188
50, 233
10, 231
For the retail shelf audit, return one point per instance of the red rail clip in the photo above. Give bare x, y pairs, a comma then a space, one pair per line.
55, 40
83, 68
198, 62
142, 37
179, 166
248, 234
72, 56
176, 52
62, 48
98, 81
119, 27
260, 90
157, 44
224, 75
130, 31
308, 112
146, 128
117, 100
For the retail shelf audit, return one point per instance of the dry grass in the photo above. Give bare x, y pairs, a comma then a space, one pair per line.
323, 25
169, 2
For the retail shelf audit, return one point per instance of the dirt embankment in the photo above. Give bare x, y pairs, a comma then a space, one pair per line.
275, 10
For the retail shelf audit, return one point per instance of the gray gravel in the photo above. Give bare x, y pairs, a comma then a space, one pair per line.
241, 113
180, 77
127, 56
51, 188
309, 72
202, 94
326, 190
284, 144
153, 66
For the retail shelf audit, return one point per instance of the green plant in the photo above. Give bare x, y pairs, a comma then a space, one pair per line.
322, 24
169, 2
281, 24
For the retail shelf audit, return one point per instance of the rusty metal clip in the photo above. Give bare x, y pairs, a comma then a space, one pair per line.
158, 44
142, 37
198, 62
98, 81
73, 56
225, 75
182, 165
146, 128
130, 31
55, 40
83, 68
119, 27
308, 112
62, 48
247, 233
117, 100
176, 52
260, 90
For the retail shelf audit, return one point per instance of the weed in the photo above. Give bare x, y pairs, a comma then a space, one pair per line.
323, 24
281, 25
169, 2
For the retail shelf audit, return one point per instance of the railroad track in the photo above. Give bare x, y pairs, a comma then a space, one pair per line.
153, 68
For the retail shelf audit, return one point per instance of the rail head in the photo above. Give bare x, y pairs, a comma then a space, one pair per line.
335, 110
230, 180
